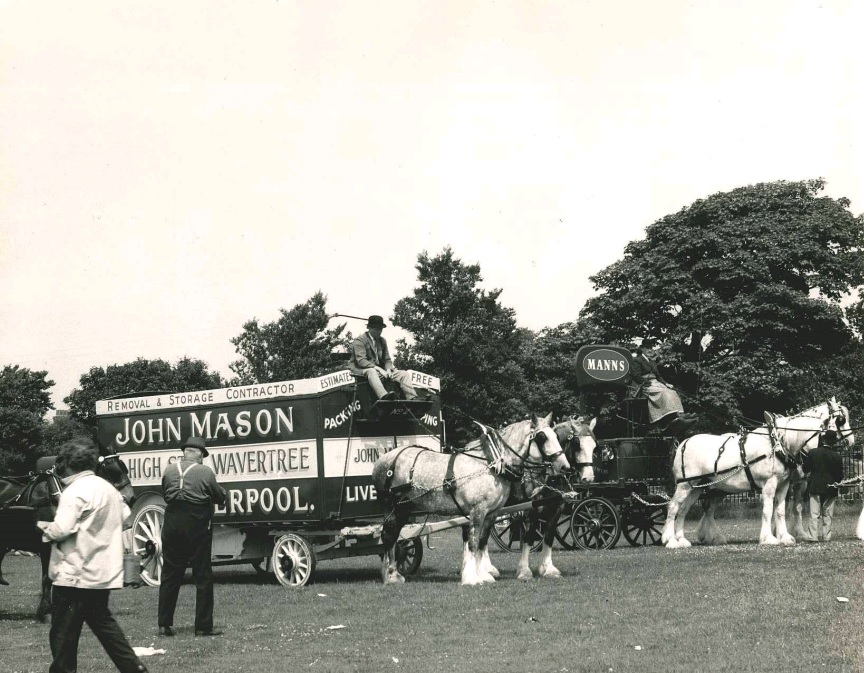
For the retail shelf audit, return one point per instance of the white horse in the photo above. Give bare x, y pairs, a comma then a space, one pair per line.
764, 458
413, 479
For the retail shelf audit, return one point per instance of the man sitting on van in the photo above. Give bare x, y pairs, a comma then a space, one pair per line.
370, 357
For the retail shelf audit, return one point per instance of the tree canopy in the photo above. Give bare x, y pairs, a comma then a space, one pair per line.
466, 337
24, 401
141, 376
296, 346
743, 290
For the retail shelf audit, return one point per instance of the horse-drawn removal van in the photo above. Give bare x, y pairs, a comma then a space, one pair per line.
295, 458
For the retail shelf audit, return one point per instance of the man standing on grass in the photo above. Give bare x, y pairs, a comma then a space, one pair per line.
825, 466
190, 491
86, 560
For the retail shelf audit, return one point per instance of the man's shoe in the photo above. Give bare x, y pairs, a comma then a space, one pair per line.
208, 633
389, 396
166, 631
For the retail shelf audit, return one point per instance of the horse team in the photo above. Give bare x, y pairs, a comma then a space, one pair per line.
514, 463
476, 483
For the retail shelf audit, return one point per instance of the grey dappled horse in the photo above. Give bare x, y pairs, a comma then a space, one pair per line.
475, 485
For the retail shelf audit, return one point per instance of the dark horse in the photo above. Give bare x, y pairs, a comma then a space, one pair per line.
576, 436
26, 500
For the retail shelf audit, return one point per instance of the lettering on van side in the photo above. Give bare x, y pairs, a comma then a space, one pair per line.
209, 425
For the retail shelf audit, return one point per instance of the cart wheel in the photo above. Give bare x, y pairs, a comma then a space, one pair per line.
409, 554
509, 530
147, 541
643, 524
293, 560
564, 527
595, 524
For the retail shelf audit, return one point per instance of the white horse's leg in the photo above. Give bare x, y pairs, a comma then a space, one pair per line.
389, 537
523, 570
768, 492
709, 531
546, 567
675, 511
781, 532
482, 554
486, 564
470, 576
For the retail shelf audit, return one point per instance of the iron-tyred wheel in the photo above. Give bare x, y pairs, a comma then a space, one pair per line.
293, 560
643, 524
595, 524
409, 554
509, 531
147, 541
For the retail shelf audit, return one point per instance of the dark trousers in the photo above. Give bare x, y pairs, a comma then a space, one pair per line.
187, 540
71, 608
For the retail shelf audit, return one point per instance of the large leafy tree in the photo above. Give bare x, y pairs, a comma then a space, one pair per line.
141, 376
297, 345
464, 335
24, 401
743, 290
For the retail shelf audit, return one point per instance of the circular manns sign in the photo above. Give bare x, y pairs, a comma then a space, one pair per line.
605, 365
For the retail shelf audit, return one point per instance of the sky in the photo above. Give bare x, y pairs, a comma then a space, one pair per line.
169, 171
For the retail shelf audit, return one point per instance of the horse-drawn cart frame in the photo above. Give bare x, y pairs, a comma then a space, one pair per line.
295, 458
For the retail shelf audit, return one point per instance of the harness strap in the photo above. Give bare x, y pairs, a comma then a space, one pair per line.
389, 480
450, 483
746, 465
719, 453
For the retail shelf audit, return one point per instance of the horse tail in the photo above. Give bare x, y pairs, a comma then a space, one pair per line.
674, 450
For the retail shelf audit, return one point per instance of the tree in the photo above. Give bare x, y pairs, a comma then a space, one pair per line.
296, 346
743, 290
24, 389
463, 335
24, 401
141, 376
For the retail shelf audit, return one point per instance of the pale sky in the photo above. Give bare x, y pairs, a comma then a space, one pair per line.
170, 170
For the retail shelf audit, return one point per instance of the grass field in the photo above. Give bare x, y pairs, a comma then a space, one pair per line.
739, 608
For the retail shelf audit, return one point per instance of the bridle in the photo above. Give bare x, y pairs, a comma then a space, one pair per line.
103, 460
571, 435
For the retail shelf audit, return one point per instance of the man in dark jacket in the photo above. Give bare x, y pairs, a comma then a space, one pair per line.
826, 468
370, 358
190, 491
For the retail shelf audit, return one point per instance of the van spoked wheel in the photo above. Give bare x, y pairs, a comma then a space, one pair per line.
409, 554
595, 524
643, 523
293, 560
147, 542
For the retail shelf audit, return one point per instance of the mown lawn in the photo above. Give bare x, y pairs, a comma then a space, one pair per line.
740, 607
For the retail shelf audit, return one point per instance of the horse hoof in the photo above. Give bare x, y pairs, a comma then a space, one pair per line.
4, 582
494, 571
770, 541
787, 541
487, 579
552, 572
525, 576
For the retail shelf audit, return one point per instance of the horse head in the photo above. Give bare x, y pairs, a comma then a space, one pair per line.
545, 439
114, 471
837, 427
803, 431
579, 433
